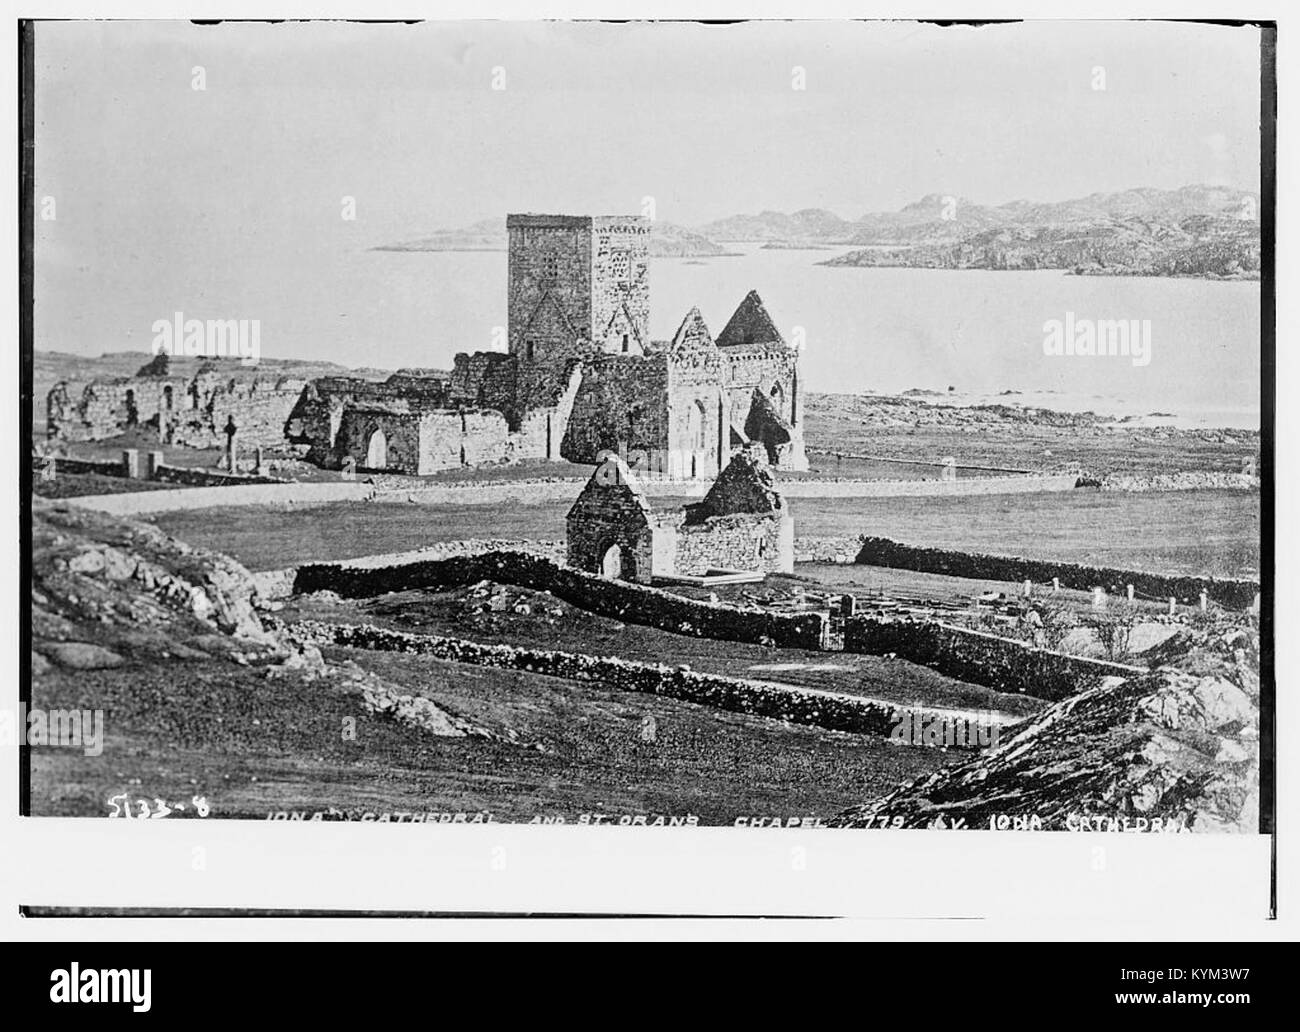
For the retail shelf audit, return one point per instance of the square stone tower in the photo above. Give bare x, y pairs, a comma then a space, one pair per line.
577, 283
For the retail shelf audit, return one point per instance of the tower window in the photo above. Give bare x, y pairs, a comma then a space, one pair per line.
625, 343
620, 267
529, 349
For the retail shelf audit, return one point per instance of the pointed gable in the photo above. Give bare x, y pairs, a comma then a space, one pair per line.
693, 334
750, 325
745, 486
612, 489
550, 321
621, 325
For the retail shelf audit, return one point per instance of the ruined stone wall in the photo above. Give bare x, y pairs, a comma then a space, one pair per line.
188, 412
401, 432
621, 405
743, 541
483, 435
258, 409
761, 366
698, 431
485, 379
606, 517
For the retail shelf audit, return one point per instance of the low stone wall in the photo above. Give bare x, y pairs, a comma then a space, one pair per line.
621, 600
817, 488
832, 710
65, 465
185, 498
827, 549
875, 551
1180, 482
204, 478
978, 658
169, 474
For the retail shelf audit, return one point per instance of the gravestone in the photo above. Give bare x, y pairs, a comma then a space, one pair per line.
232, 444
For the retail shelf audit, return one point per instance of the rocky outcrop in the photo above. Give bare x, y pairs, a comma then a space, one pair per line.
1178, 746
88, 567
110, 593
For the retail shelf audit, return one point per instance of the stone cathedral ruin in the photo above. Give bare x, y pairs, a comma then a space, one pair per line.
581, 378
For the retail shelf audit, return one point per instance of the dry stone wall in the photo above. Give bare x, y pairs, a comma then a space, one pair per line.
831, 710
1001, 663
621, 600
876, 551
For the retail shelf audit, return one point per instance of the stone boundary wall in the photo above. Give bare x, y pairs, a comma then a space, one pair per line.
186, 498
1004, 664
558, 489
105, 468
1180, 482
620, 600
830, 710
203, 478
827, 549
915, 462
876, 551
186, 475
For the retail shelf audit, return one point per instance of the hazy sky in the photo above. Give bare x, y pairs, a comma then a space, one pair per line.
595, 116
230, 197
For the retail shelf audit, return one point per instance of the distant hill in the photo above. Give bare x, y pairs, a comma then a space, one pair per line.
666, 241
1204, 231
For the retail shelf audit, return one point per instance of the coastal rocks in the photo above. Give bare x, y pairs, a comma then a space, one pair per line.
1170, 745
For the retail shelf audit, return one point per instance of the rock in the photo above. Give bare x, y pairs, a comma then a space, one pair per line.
1170, 744
81, 655
87, 562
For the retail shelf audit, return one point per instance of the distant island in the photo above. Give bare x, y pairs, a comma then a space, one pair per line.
1209, 232
666, 241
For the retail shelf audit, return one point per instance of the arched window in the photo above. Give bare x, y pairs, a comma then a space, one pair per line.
695, 427
611, 562
377, 451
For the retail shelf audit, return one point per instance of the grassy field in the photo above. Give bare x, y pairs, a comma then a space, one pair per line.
1007, 438
554, 624
1193, 532
251, 746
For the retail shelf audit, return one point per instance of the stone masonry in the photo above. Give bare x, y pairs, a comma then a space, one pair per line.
742, 524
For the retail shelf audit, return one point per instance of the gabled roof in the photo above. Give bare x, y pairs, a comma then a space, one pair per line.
612, 478
692, 333
622, 317
745, 486
750, 325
